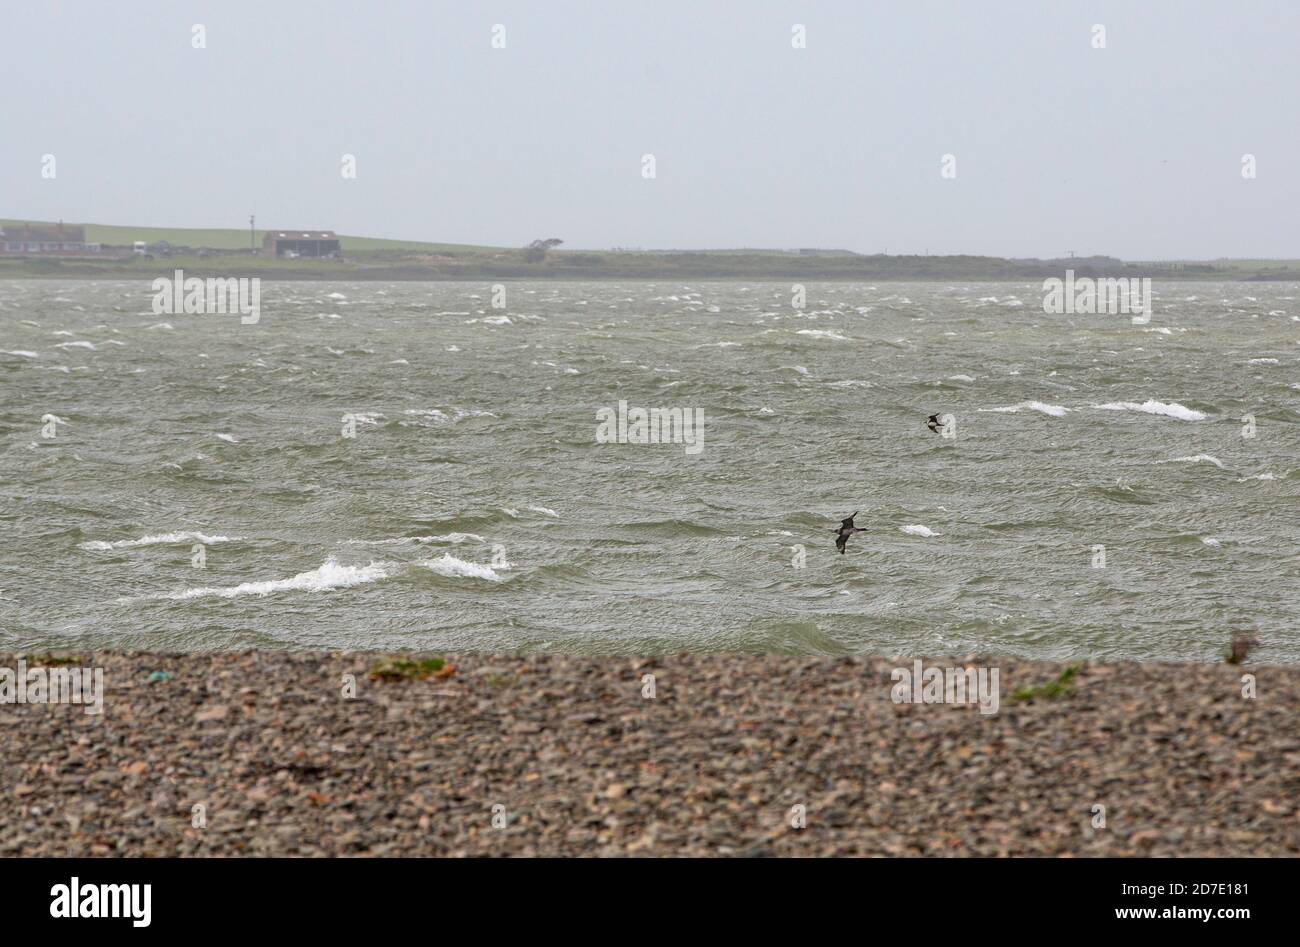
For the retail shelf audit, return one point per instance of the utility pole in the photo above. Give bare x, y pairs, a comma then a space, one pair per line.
252, 234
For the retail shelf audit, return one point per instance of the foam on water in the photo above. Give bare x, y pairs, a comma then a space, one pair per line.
1055, 410
454, 538
824, 334
329, 575
1196, 459
1171, 409
161, 539
452, 567
917, 530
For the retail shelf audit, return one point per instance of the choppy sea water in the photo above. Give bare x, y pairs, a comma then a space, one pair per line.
475, 509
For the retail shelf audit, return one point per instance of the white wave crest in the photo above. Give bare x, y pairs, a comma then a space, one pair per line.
918, 530
1055, 410
454, 538
824, 334
160, 539
1151, 406
452, 567
329, 575
1196, 459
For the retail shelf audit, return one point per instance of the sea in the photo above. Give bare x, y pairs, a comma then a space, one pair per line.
651, 467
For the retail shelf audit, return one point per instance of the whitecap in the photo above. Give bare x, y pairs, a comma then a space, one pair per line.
427, 413
452, 567
158, 540
454, 538
329, 575
1196, 459
1172, 409
824, 334
1055, 410
918, 530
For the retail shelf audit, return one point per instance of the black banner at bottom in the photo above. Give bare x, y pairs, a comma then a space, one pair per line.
369, 896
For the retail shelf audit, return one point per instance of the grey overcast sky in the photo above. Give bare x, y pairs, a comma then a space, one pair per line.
1133, 150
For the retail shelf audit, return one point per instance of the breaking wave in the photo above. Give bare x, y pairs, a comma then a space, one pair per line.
1172, 409
329, 575
1055, 410
452, 567
159, 540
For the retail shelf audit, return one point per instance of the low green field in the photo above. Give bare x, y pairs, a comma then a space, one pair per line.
379, 259
233, 239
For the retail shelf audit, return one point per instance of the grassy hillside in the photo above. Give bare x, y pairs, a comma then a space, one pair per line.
371, 258
232, 239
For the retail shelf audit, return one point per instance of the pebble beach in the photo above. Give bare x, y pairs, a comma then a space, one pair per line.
351, 754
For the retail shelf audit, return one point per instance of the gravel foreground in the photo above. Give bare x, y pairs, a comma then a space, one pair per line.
579, 762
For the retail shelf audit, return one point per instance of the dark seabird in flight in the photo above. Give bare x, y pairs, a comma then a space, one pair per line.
934, 423
846, 530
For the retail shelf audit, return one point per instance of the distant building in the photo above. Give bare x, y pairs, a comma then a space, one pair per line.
44, 238
300, 243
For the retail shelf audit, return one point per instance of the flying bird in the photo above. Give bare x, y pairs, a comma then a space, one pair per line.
846, 530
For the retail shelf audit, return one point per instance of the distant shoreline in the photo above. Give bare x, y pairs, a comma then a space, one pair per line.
145, 253
394, 266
